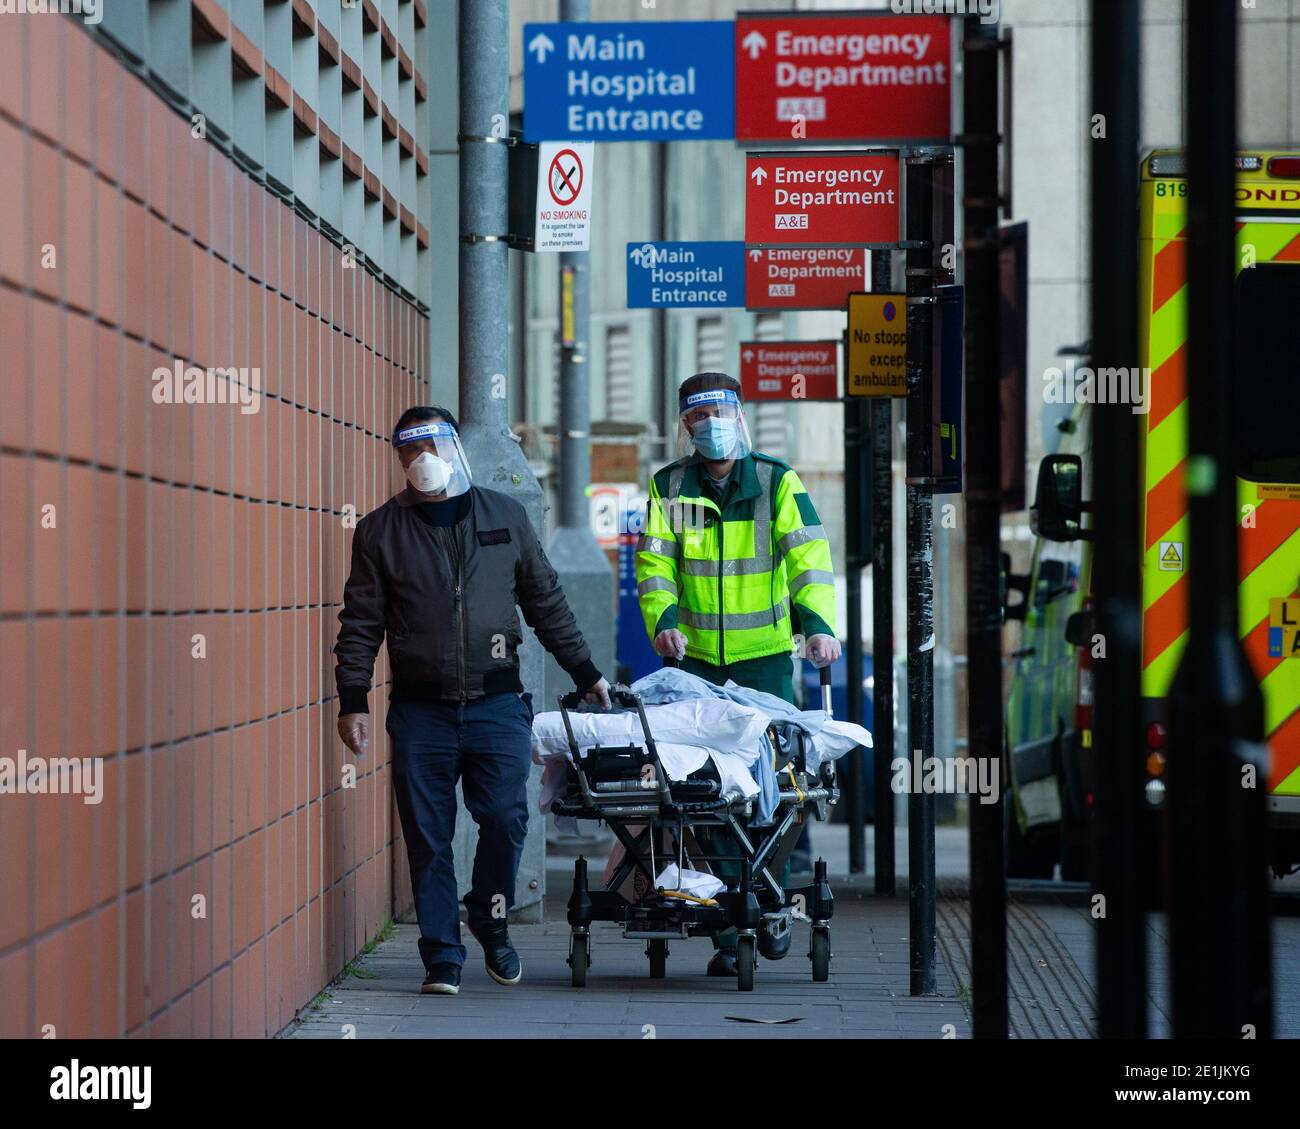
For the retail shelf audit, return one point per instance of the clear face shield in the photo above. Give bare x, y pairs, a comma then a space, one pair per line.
433, 458
713, 424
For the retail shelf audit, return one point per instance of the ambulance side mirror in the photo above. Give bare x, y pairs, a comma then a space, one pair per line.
1057, 514
1012, 582
1079, 628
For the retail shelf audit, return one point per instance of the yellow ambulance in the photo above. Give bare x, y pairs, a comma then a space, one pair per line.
1049, 703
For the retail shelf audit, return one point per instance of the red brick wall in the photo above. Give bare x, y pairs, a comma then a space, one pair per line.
222, 775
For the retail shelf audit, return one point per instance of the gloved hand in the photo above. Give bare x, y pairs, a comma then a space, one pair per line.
354, 730
598, 695
822, 650
670, 644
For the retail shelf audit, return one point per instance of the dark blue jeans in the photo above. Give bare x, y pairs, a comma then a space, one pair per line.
485, 744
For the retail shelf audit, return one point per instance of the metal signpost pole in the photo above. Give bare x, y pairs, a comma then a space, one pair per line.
985, 699
1116, 490
882, 611
920, 566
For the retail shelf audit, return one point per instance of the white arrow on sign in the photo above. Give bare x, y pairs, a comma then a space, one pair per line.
749, 354
754, 43
756, 255
643, 256
759, 175
540, 44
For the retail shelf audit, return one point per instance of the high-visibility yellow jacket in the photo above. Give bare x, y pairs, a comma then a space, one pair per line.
726, 577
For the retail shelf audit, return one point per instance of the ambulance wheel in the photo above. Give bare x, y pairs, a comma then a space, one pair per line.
1030, 854
579, 960
746, 958
821, 955
1074, 844
658, 951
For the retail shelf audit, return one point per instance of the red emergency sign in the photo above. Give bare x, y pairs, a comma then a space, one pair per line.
822, 198
865, 77
803, 278
789, 370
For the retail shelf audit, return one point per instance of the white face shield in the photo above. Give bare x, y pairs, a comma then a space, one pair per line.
713, 424
440, 466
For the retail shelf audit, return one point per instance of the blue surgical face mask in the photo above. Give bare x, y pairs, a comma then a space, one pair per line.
715, 437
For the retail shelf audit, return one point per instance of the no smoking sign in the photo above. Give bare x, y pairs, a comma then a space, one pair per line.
565, 180
563, 196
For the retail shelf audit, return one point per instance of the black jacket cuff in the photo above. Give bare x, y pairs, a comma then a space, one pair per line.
353, 699
585, 676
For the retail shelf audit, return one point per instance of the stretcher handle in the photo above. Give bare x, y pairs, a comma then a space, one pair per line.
824, 676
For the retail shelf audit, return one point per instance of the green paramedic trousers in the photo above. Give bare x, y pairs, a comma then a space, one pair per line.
773, 674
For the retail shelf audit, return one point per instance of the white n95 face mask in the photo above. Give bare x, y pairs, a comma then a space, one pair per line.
428, 473
441, 466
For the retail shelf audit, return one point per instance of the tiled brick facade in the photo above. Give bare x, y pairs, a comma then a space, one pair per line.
126, 245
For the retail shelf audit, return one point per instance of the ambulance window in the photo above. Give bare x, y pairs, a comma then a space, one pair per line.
1268, 373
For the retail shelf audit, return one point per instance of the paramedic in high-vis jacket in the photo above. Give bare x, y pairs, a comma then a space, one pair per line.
733, 564
438, 569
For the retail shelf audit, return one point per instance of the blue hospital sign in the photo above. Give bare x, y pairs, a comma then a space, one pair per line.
677, 275
638, 81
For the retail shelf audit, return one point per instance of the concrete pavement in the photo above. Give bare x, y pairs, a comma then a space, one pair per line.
1052, 983
866, 996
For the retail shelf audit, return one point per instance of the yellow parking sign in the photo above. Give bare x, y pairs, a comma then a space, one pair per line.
877, 361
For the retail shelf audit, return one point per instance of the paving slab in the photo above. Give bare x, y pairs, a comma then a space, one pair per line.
1052, 981
865, 996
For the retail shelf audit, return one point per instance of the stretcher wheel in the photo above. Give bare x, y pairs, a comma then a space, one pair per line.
658, 952
579, 960
821, 955
746, 958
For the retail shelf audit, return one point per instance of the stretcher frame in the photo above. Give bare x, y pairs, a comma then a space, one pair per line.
642, 796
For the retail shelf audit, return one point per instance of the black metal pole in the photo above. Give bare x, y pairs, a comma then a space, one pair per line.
1219, 940
882, 612
920, 565
1117, 840
856, 533
985, 700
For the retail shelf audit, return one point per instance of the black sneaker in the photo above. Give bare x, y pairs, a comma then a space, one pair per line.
723, 963
499, 955
441, 980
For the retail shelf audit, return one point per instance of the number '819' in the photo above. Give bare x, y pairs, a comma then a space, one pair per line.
1176, 188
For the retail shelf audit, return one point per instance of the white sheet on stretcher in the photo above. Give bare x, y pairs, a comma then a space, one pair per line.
689, 881
679, 762
716, 723
733, 732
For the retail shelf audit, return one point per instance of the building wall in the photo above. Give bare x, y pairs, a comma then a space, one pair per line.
172, 572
